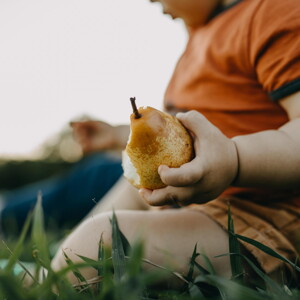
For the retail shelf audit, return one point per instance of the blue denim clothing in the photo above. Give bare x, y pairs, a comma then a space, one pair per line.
66, 198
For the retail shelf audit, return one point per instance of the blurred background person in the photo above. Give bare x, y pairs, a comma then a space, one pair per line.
70, 195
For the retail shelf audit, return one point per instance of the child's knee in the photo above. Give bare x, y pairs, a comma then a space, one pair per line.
84, 241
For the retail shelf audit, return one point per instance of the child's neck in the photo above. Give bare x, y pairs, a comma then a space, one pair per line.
222, 3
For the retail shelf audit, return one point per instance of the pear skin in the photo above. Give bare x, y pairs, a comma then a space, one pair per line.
156, 138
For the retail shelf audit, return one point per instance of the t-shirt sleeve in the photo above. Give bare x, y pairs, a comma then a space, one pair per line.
274, 45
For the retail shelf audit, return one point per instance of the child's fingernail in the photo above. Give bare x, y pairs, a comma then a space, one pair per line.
179, 115
161, 168
143, 193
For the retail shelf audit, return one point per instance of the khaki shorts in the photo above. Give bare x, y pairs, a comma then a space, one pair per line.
276, 226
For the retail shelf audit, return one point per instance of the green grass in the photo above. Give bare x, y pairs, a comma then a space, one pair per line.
120, 273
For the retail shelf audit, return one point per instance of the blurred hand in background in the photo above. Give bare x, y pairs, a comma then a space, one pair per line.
96, 136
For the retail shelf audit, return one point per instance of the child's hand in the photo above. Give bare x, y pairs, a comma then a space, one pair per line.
97, 135
204, 178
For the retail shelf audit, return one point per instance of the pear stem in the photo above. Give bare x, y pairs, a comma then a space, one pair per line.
134, 108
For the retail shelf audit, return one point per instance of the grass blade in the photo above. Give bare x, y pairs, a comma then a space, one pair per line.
195, 291
25, 269
125, 243
201, 269
234, 247
97, 265
75, 271
101, 256
134, 264
118, 252
267, 250
271, 284
39, 236
85, 287
10, 287
104, 267
230, 289
190, 274
19, 246
208, 264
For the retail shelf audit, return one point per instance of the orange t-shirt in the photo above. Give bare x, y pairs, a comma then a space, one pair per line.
237, 66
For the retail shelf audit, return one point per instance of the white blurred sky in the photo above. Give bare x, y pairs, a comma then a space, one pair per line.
60, 59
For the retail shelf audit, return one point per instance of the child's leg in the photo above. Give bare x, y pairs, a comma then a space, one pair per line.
66, 198
169, 238
122, 196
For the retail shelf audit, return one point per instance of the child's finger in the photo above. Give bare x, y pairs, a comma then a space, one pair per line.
192, 120
167, 196
156, 197
188, 174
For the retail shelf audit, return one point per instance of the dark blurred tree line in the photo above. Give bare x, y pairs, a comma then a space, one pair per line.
54, 156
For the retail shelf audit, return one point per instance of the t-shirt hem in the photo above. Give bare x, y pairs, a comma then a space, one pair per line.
286, 90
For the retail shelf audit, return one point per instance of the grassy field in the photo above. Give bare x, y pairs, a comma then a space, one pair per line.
121, 275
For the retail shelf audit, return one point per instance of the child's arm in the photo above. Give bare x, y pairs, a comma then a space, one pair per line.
272, 158
269, 159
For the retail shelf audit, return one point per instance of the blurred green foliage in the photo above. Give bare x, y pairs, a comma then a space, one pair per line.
52, 157
121, 273
14, 173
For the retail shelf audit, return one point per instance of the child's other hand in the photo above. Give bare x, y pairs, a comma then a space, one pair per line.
97, 135
204, 178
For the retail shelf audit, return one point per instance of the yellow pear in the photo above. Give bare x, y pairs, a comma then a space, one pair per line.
156, 138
